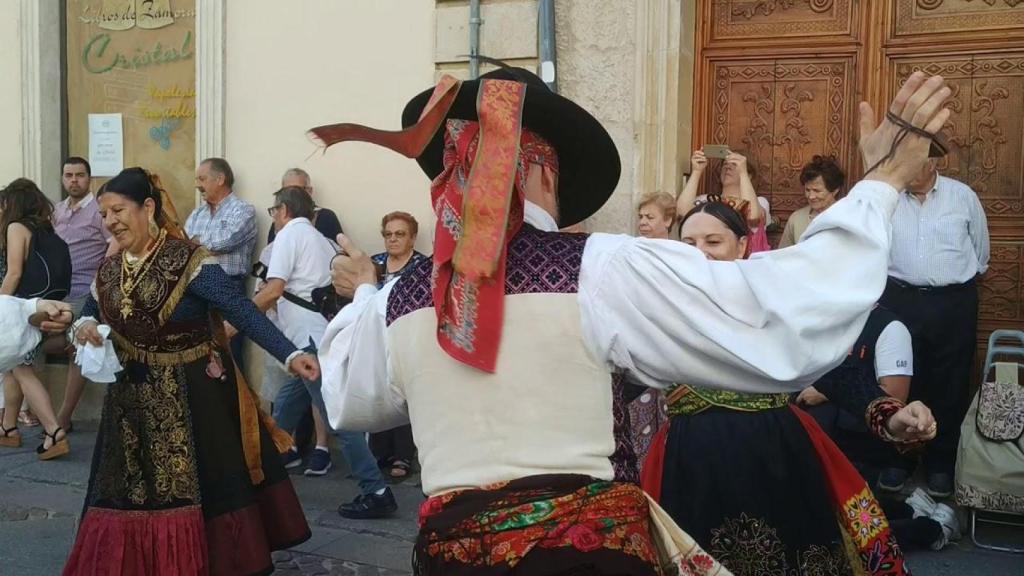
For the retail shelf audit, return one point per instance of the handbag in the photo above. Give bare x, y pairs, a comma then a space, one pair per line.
1000, 416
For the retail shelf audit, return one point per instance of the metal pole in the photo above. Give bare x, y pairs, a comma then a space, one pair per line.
474, 38
546, 37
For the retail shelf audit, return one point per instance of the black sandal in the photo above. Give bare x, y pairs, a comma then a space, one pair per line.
9, 439
57, 449
906, 128
402, 466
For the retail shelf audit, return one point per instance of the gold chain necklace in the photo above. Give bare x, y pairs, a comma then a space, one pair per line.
133, 272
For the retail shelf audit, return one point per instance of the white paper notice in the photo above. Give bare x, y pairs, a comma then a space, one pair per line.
106, 144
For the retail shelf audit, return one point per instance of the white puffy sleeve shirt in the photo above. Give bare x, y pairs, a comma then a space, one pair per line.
17, 338
662, 312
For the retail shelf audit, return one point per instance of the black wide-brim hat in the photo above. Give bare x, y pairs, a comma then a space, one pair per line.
588, 162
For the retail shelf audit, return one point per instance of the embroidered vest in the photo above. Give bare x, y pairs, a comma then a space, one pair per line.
540, 413
146, 334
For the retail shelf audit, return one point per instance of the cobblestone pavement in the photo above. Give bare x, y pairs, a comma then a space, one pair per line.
40, 503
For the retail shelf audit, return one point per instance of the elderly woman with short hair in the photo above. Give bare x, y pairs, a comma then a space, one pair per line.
823, 180
394, 448
656, 213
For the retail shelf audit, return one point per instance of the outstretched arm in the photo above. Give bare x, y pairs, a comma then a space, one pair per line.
777, 322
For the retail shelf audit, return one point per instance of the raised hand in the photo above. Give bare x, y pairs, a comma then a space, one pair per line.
913, 423
738, 160
351, 268
918, 103
698, 162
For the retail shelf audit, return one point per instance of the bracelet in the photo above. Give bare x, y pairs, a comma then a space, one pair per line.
879, 411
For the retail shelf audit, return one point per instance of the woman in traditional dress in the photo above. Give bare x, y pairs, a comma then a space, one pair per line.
186, 475
737, 177
754, 480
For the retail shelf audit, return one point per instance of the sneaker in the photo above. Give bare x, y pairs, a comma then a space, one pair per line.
940, 485
922, 504
291, 459
946, 517
370, 506
892, 479
319, 463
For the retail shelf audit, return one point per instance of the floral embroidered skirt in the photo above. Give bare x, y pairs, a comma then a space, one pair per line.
539, 525
169, 491
751, 489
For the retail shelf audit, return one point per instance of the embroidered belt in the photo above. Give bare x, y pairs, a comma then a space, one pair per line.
129, 351
500, 525
687, 400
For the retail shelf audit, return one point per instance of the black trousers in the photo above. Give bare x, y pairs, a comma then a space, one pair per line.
943, 322
394, 444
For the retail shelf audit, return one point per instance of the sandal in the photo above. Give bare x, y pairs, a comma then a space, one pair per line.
67, 430
11, 438
28, 419
57, 449
399, 470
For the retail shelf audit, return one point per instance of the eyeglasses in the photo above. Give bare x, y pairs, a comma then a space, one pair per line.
272, 209
395, 234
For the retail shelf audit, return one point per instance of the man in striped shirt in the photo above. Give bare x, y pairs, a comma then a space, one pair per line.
940, 245
225, 224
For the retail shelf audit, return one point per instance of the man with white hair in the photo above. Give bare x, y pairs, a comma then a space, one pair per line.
324, 219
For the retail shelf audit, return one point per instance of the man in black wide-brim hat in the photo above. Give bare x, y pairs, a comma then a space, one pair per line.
501, 350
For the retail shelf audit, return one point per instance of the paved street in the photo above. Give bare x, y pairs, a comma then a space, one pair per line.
40, 501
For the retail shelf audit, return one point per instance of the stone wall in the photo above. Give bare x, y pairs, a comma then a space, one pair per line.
596, 44
629, 62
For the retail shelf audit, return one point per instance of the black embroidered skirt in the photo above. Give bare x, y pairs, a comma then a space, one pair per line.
169, 491
749, 488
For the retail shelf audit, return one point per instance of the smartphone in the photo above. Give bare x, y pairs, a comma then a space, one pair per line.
716, 150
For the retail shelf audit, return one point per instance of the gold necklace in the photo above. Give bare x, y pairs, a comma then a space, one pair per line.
133, 272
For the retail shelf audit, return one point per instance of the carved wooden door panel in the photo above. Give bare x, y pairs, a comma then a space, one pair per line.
779, 113
780, 79
776, 81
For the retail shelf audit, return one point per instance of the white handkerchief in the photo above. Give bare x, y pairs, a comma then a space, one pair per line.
99, 363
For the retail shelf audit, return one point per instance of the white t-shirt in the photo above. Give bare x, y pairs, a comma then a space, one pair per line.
894, 352
302, 258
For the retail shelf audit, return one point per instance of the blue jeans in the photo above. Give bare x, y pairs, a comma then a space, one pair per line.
293, 399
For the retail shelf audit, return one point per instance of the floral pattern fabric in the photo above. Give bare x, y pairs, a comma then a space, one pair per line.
498, 529
597, 515
1001, 408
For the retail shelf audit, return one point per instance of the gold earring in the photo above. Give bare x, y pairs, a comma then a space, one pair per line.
154, 230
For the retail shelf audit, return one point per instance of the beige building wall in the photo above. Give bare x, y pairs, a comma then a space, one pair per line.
10, 99
292, 66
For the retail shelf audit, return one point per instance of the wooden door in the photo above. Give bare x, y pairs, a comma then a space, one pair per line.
781, 79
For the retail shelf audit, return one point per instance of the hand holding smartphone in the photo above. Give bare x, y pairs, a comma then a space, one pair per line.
719, 151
